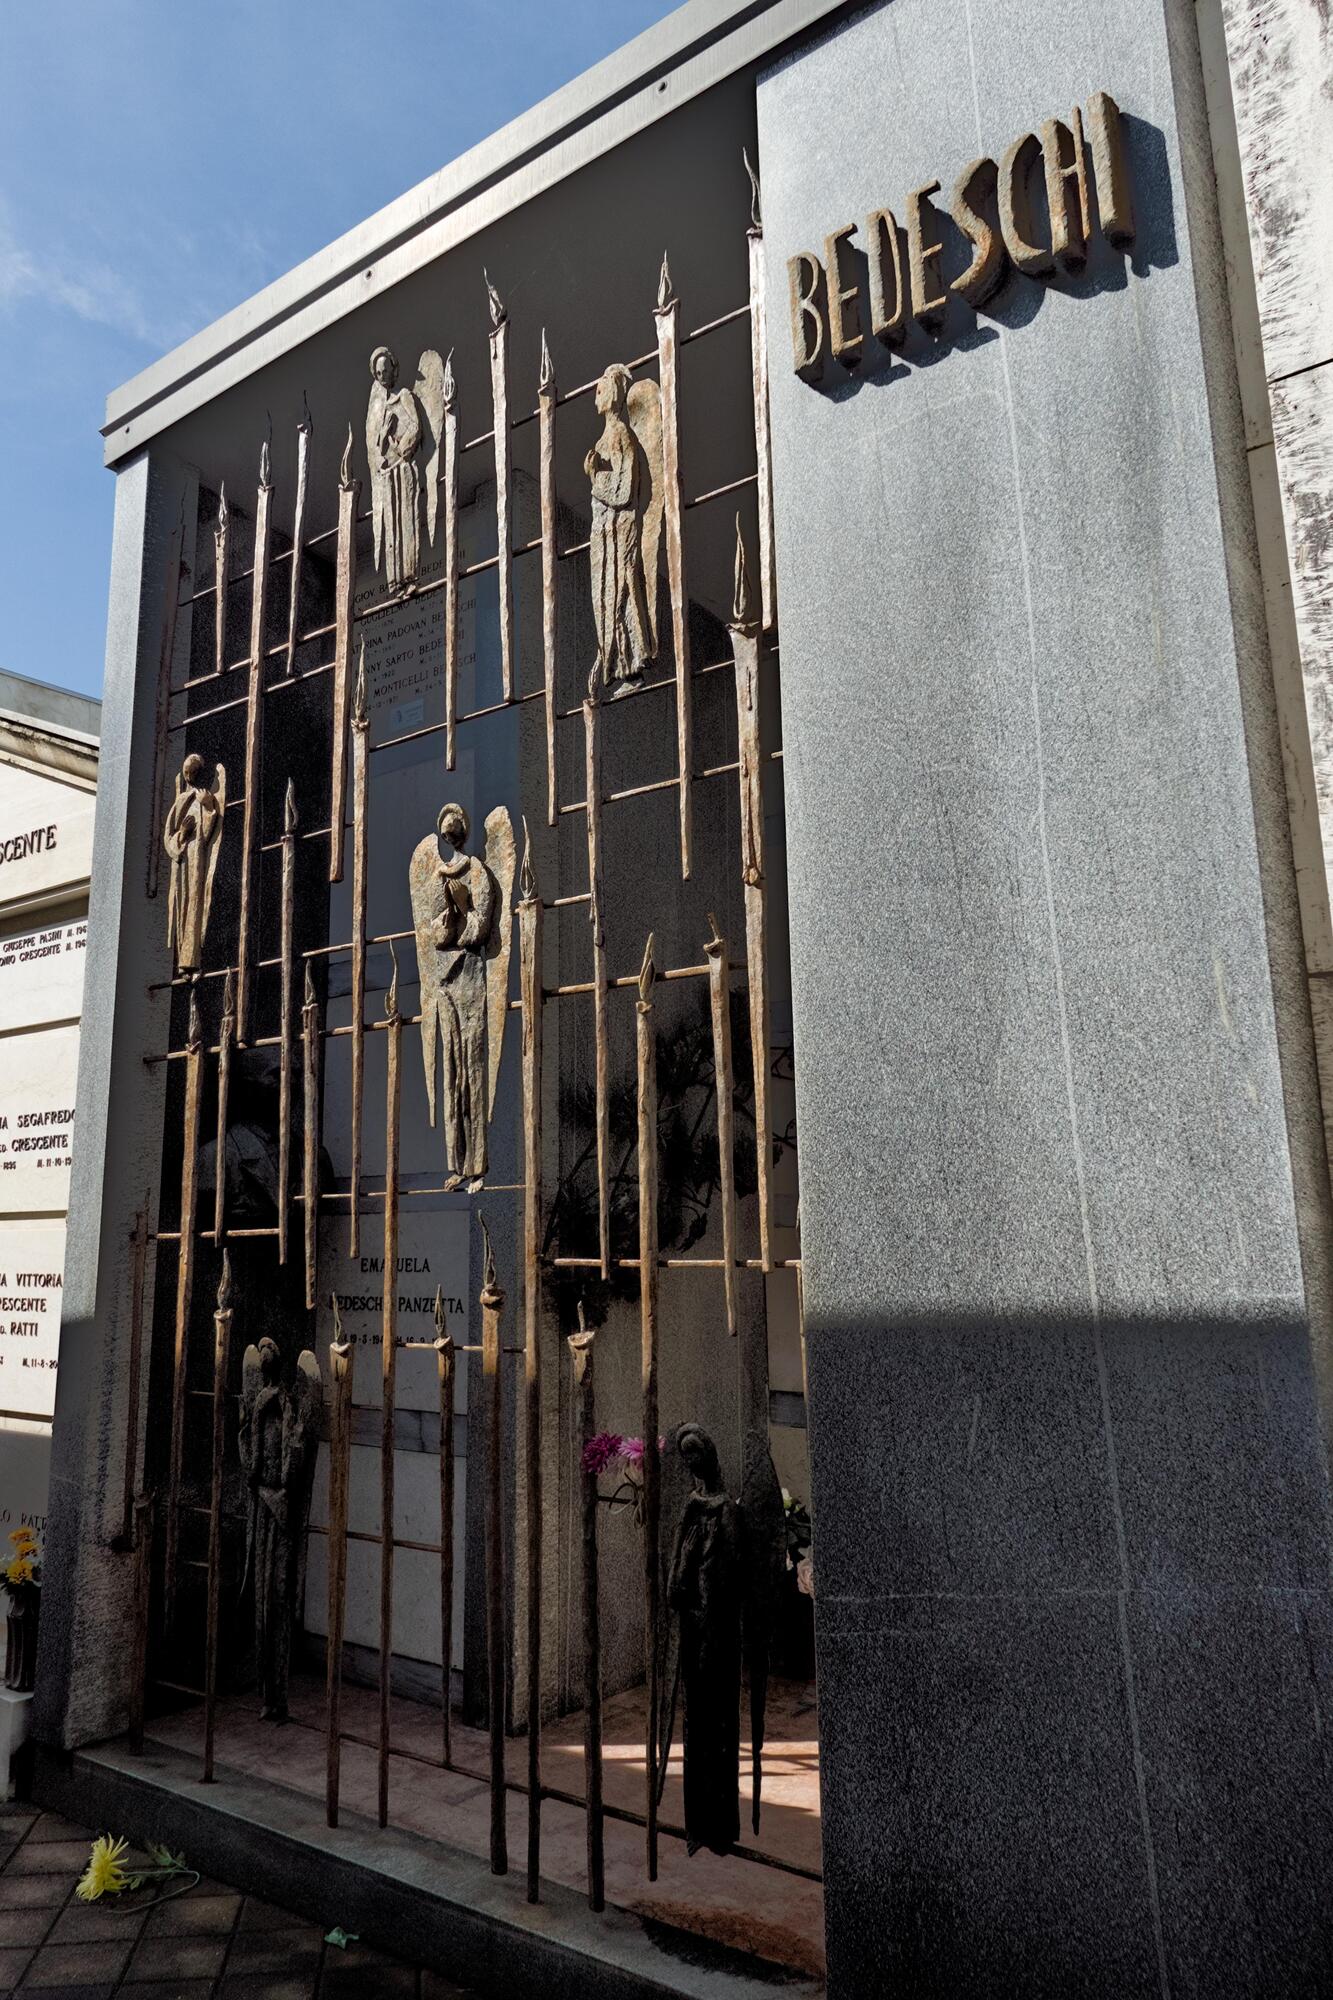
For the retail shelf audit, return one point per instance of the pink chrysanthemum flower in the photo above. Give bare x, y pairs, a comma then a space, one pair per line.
602, 1451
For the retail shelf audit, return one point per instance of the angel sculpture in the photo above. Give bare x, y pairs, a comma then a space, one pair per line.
461, 910
625, 470
397, 420
192, 839
722, 1598
279, 1439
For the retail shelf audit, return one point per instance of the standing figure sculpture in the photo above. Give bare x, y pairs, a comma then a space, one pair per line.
279, 1439
722, 1596
624, 468
192, 838
461, 909
397, 420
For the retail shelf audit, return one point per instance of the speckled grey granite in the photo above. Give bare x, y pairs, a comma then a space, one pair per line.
1063, 1206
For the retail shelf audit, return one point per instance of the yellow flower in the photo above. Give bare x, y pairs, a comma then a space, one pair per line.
19, 1570
105, 1874
24, 1538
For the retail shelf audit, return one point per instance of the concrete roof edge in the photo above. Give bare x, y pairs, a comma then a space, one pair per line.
656, 51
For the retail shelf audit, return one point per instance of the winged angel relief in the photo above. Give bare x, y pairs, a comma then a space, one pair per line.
399, 422
461, 911
624, 468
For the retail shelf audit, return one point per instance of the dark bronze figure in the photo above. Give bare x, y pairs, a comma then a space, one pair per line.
278, 1440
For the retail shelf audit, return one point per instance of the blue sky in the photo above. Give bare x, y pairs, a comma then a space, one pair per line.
159, 161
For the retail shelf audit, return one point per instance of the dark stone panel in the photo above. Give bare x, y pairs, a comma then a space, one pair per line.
961, 1459
982, 1830
1235, 1704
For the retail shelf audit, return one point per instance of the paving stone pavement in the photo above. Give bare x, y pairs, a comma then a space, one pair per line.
210, 1944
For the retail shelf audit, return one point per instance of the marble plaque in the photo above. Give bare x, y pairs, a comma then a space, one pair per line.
32, 1263
46, 836
432, 1251
416, 1574
41, 975
37, 1077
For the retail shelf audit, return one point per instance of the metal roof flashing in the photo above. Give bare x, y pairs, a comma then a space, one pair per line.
692, 48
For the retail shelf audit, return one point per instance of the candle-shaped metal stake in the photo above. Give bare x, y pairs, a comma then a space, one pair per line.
221, 538
444, 1350
492, 1307
389, 1370
646, 1061
719, 1003
580, 1347
504, 529
221, 1355
546, 402
530, 988
286, 1016
312, 1045
451, 577
194, 1064
759, 373
667, 315
226, 1040
744, 629
254, 734
341, 1359
303, 430
344, 613
360, 837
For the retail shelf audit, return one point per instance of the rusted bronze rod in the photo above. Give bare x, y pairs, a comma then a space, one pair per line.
719, 1003
312, 1047
580, 1347
759, 383
389, 1357
745, 640
221, 1355
668, 328
194, 1060
344, 613
546, 404
646, 1062
341, 1362
492, 1306
504, 530
360, 839
298, 536
530, 981
286, 1016
138, 1273
444, 1349
450, 483
226, 1042
592, 764
220, 539
254, 731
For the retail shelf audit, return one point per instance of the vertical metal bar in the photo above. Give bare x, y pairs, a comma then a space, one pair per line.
221, 1356
360, 836
389, 1373
143, 1578
744, 631
504, 527
226, 1042
530, 987
546, 402
138, 1272
344, 613
724, 1084
341, 1361
444, 1349
286, 1017
311, 1051
254, 736
668, 362
592, 768
492, 1306
451, 578
646, 1054
194, 1061
580, 1347
170, 613
768, 604
298, 537
221, 536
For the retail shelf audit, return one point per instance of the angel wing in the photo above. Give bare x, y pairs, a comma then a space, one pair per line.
501, 857
424, 886
429, 393
643, 411
763, 1560
220, 793
300, 1438
173, 914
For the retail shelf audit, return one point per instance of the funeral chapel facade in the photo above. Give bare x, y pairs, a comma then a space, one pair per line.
710, 926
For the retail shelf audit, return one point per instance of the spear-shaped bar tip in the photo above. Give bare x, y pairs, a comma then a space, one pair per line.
265, 473
488, 1283
546, 380
224, 1284
742, 597
583, 1323
715, 945
666, 294
449, 387
442, 1339
311, 999
647, 974
756, 211
289, 809
337, 1317
195, 1032
497, 304
345, 469
305, 423
527, 875
224, 512
360, 705
391, 997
